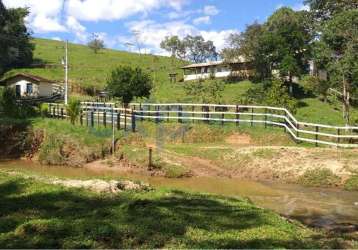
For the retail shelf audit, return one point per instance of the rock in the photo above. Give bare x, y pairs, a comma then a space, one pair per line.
101, 186
355, 203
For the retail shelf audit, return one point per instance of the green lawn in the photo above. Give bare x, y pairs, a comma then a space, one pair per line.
37, 215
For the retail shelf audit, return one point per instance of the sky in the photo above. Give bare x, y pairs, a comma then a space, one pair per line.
123, 24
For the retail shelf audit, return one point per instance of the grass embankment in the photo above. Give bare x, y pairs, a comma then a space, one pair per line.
38, 215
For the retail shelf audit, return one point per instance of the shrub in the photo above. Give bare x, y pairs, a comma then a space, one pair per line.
272, 93
313, 84
44, 110
321, 177
352, 183
73, 110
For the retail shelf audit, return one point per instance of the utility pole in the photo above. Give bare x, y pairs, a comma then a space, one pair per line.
66, 72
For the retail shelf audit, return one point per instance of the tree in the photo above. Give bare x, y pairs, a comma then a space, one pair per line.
126, 83
286, 43
193, 48
282, 44
175, 46
199, 50
16, 49
96, 44
338, 50
323, 10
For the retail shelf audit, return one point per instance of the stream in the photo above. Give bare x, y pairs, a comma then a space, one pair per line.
319, 207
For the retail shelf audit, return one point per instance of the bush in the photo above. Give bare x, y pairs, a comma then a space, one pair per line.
322, 177
209, 91
73, 110
272, 93
313, 84
12, 108
44, 110
352, 183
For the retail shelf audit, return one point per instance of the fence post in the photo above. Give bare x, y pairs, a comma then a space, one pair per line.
168, 109
252, 116
265, 117
338, 133
157, 114
317, 136
297, 132
180, 114
222, 118
193, 114
92, 119
119, 120
141, 114
105, 119
125, 119
237, 116
133, 121
81, 117
112, 118
87, 118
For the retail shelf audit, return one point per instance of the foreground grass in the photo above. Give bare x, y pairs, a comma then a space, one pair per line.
37, 215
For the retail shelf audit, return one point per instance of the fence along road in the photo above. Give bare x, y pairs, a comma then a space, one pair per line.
339, 136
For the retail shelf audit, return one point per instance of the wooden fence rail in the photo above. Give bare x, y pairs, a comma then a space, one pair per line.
339, 136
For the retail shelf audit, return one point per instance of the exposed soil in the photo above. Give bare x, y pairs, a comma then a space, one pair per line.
239, 139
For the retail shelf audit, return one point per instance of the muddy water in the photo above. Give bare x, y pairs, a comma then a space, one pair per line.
314, 206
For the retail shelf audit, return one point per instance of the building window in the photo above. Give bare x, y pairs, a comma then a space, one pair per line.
29, 88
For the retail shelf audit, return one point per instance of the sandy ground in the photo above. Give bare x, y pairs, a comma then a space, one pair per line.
247, 161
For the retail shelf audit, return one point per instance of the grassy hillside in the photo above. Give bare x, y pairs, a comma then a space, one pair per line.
89, 70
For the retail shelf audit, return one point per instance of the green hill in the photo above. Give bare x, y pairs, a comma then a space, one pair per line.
89, 71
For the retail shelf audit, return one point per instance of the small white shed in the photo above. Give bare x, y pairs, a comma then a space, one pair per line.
27, 85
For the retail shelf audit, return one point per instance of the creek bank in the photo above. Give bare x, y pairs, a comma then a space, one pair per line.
95, 185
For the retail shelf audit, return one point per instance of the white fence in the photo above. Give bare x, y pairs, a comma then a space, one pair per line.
339, 136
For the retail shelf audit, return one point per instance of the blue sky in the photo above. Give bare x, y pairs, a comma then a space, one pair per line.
121, 23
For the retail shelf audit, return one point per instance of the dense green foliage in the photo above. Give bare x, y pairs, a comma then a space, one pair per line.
281, 44
10, 107
15, 47
271, 93
127, 83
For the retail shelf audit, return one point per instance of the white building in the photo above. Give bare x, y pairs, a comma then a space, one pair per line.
27, 85
218, 69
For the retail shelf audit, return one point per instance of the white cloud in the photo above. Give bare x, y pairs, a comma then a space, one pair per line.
152, 33
44, 15
77, 29
202, 20
96, 10
218, 37
300, 7
56, 38
210, 10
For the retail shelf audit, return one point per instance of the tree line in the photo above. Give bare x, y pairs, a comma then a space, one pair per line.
283, 47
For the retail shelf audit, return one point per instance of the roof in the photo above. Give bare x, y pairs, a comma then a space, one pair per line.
214, 63
34, 78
